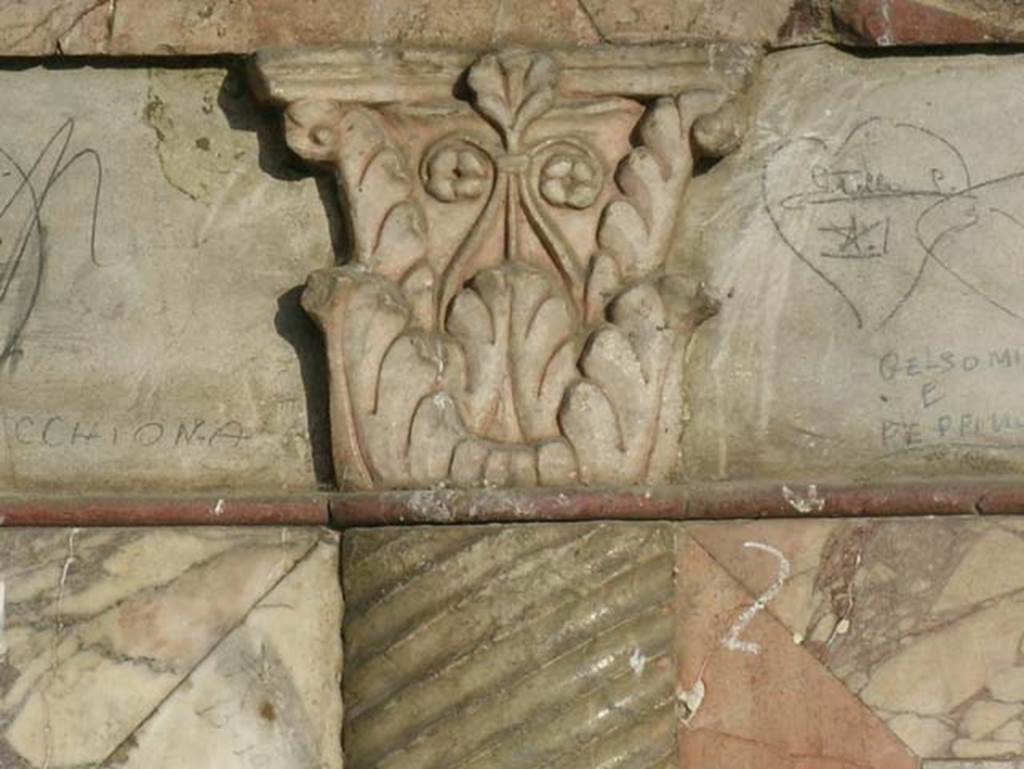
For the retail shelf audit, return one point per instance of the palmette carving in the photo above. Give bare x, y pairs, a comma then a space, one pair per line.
506, 317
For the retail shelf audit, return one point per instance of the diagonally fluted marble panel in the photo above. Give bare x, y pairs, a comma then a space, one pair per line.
510, 646
165, 648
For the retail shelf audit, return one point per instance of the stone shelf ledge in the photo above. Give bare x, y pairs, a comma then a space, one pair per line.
690, 502
702, 501
126, 510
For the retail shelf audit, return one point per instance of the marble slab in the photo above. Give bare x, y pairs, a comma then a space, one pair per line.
180, 27
183, 27
749, 696
509, 646
865, 241
150, 333
164, 648
799, 644
922, 620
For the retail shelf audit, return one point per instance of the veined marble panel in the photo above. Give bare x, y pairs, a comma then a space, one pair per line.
798, 644
164, 648
923, 620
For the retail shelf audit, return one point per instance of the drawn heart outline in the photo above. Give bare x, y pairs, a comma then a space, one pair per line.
989, 216
850, 213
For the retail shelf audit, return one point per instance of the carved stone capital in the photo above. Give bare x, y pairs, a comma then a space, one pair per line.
506, 316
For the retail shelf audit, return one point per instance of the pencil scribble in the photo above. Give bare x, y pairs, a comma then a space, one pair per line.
24, 226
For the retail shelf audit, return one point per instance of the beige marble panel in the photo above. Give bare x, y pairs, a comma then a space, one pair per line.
865, 241
148, 336
163, 648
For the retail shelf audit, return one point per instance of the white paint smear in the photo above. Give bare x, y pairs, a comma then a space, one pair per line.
732, 639
637, 661
690, 701
804, 503
3, 617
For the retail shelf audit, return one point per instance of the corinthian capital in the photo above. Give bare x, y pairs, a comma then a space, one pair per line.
506, 315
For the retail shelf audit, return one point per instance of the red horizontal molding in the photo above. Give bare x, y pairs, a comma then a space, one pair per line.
703, 501
680, 503
131, 511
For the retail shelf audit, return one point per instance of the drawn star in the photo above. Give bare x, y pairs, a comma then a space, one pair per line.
855, 241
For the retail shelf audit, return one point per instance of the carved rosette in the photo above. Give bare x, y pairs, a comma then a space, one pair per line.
506, 316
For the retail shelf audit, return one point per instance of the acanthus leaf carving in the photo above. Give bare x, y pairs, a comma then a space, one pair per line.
513, 89
633, 378
518, 332
521, 351
632, 361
